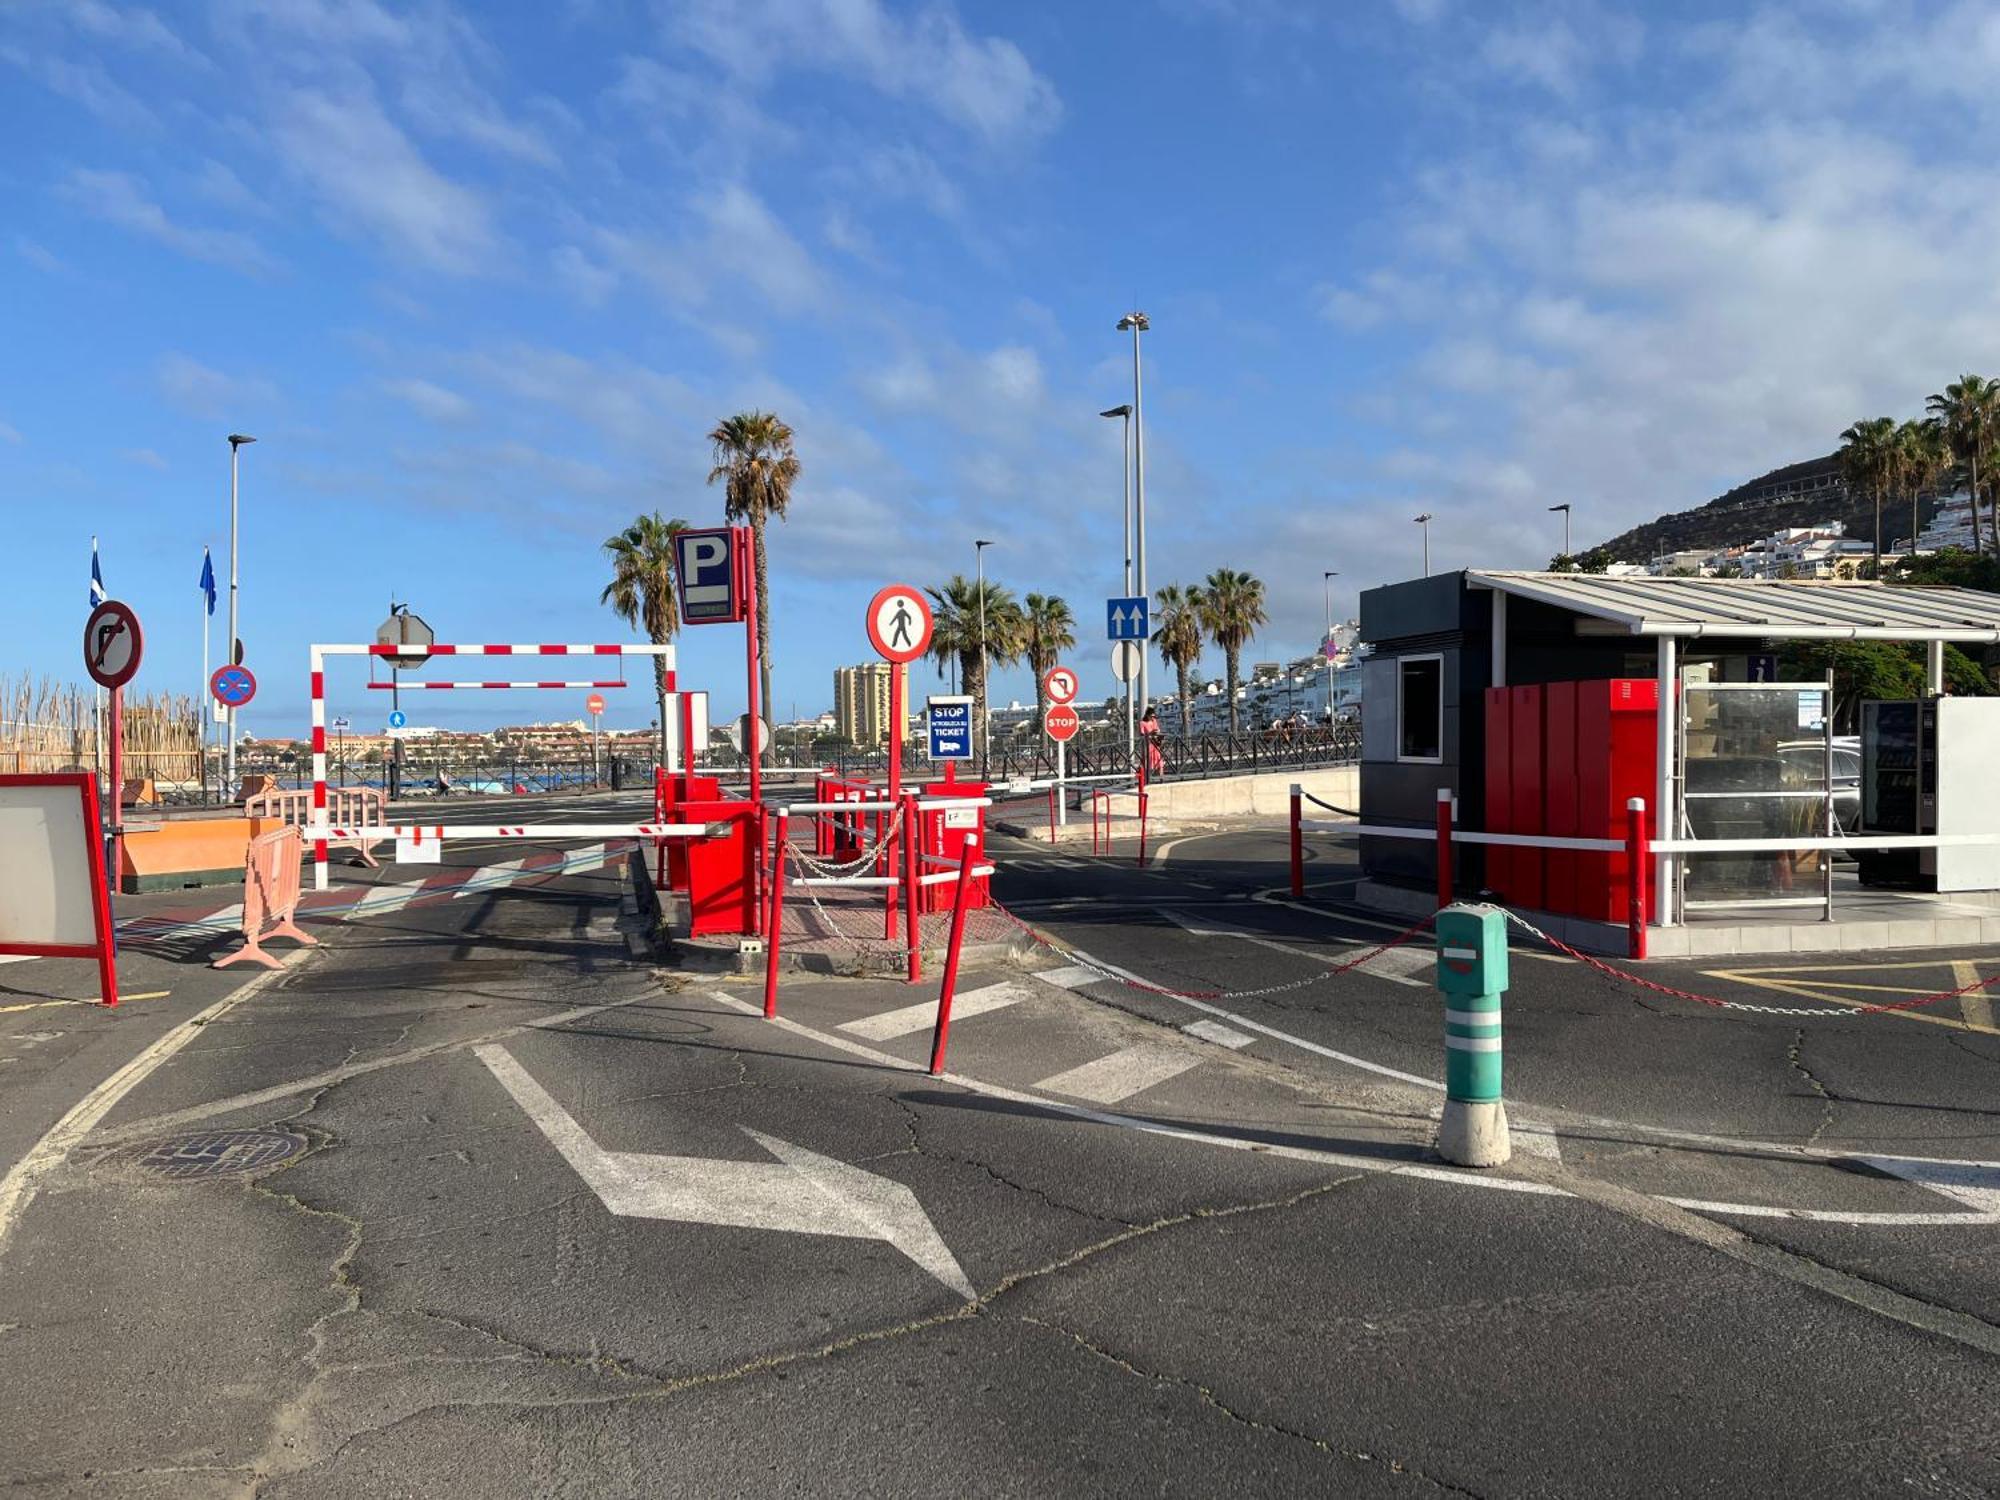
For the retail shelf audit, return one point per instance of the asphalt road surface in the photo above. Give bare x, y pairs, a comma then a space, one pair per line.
468, 1201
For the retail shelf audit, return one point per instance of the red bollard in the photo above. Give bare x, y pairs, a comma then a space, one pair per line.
776, 925
1638, 854
1444, 848
1298, 850
943, 1031
912, 923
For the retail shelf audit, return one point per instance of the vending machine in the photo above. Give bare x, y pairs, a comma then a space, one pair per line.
1927, 767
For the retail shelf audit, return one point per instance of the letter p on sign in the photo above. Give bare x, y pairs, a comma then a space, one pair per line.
708, 576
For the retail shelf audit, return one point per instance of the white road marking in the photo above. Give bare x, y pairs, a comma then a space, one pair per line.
923, 1015
1973, 1183
1396, 965
1459, 1176
801, 1192
1123, 1073
1072, 977
18, 1187
1216, 1032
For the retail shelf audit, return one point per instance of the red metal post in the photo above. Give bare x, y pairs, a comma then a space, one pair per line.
746, 549
118, 781
1638, 855
777, 924
1298, 850
100, 892
1444, 848
943, 1031
912, 922
1052, 815
660, 816
1142, 822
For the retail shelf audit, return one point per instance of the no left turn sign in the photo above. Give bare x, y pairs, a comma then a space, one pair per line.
1060, 685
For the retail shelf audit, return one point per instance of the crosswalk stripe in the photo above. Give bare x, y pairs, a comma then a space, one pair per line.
1215, 1031
1122, 1074
1072, 977
921, 1016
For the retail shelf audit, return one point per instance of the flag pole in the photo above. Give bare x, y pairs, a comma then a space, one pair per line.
201, 693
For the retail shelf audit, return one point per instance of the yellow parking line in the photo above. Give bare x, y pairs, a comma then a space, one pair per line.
1757, 977
92, 1000
1977, 1007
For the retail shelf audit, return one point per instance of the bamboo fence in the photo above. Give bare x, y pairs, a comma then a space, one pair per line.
46, 726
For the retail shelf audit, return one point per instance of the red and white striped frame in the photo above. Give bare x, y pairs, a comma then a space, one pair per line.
317, 655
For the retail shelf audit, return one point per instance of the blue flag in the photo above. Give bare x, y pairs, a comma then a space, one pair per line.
208, 579
97, 594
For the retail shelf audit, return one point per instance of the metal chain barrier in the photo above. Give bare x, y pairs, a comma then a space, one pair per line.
1345, 812
1816, 1012
812, 864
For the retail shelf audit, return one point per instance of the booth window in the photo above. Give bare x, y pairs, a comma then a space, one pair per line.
1420, 708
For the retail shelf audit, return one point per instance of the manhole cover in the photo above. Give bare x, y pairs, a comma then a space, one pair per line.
219, 1153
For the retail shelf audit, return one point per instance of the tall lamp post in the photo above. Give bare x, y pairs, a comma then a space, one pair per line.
985, 688
1137, 323
1326, 644
340, 748
236, 442
1424, 521
1125, 470
1564, 508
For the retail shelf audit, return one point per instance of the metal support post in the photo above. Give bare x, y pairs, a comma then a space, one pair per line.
1638, 853
942, 1032
1444, 811
777, 922
1298, 846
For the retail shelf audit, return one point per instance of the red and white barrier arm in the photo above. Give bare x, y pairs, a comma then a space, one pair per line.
614, 682
447, 831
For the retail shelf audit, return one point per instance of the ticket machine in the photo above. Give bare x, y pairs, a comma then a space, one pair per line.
1927, 767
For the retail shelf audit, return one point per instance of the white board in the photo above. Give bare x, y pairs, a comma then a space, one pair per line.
45, 892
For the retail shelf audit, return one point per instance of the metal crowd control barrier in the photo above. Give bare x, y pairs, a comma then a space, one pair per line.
1100, 798
271, 867
344, 804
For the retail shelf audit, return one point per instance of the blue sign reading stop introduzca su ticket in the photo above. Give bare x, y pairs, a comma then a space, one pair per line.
949, 720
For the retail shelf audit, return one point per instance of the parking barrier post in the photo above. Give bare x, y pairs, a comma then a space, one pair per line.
888, 825
1472, 976
912, 924
1142, 824
943, 1029
1638, 854
1298, 847
777, 922
1052, 814
1444, 848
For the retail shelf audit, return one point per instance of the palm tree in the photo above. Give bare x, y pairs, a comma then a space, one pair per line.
955, 633
1926, 460
1177, 632
641, 591
1232, 607
1870, 457
1969, 412
1048, 630
753, 456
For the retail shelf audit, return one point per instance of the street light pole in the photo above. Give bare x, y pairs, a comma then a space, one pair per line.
1326, 644
236, 442
1424, 521
340, 748
1125, 472
1138, 323
985, 688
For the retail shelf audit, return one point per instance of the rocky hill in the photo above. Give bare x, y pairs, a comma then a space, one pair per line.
1802, 494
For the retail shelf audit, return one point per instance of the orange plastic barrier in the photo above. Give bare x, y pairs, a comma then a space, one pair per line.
346, 807
270, 896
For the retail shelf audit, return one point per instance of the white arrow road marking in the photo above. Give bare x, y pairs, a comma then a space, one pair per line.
801, 1192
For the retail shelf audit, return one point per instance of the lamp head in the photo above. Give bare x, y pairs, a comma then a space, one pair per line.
1118, 411
238, 439
1422, 519
1136, 320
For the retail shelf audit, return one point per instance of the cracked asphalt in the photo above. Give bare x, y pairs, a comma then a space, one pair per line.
431, 1298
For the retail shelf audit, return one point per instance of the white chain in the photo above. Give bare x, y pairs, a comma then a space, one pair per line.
860, 862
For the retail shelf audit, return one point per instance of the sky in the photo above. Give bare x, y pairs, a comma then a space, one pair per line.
480, 278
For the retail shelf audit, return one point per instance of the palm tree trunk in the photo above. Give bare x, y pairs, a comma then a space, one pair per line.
763, 625
1229, 661
1187, 702
1878, 532
660, 687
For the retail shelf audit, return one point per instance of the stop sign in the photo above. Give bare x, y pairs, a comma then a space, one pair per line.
1061, 722
594, 703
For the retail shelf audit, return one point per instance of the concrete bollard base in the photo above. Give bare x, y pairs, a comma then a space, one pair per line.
1474, 1135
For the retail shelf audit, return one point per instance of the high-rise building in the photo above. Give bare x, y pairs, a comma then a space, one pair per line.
861, 702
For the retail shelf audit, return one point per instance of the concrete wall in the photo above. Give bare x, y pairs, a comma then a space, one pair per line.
1268, 794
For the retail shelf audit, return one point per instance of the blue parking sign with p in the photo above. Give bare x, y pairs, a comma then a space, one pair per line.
950, 723
709, 574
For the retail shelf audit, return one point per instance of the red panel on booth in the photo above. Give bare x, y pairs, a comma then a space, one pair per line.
1499, 790
1634, 755
1524, 716
1559, 747
945, 831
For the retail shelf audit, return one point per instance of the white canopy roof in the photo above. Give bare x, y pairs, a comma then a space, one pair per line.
1776, 609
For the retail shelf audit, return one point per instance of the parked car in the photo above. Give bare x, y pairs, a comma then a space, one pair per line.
1805, 759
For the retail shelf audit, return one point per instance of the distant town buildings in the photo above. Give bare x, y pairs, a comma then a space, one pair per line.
861, 702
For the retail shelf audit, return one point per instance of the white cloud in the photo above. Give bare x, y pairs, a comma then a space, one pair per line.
368, 175
9, 433
39, 257
432, 402
84, 83
135, 28
585, 280
1421, 12
203, 391
121, 199
145, 458
983, 83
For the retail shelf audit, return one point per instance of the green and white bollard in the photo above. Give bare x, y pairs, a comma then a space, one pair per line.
1472, 974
